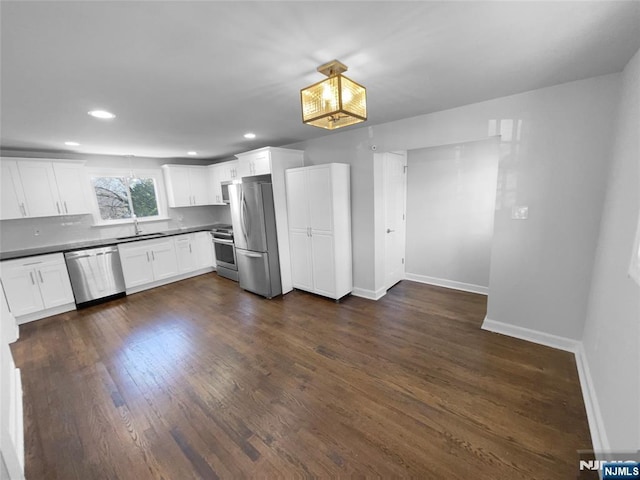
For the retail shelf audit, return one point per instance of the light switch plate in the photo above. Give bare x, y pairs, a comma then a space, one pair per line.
519, 212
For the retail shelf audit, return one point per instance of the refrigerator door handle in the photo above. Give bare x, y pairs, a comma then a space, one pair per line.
249, 254
243, 217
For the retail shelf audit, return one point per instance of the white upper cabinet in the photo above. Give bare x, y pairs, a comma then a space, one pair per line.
257, 162
215, 187
41, 188
13, 202
187, 185
72, 182
228, 171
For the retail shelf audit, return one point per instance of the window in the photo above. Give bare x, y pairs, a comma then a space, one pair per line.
121, 197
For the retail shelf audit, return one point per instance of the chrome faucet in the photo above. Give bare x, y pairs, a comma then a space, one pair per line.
136, 226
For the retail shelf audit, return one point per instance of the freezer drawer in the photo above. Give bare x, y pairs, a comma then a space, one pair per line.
256, 275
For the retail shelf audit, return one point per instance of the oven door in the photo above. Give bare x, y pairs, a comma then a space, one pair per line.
225, 253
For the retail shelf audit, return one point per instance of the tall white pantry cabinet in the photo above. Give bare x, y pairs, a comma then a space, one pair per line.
319, 208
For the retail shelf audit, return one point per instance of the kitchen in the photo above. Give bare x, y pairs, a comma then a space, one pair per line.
529, 259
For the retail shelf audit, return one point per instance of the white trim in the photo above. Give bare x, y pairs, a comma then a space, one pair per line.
591, 405
441, 282
594, 415
167, 281
535, 336
369, 294
30, 317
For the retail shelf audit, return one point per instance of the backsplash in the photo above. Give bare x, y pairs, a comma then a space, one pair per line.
43, 231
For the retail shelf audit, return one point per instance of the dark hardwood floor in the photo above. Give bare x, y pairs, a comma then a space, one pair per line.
199, 379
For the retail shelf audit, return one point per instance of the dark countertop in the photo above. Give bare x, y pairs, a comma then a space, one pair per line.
103, 242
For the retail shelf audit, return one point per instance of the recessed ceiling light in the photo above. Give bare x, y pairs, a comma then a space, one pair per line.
72, 144
192, 153
102, 114
250, 136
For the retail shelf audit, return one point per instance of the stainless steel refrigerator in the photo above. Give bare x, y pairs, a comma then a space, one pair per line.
254, 229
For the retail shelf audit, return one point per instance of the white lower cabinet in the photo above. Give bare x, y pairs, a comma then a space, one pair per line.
36, 284
204, 250
148, 261
186, 253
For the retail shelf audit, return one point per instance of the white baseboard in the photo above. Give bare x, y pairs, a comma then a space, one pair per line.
369, 294
441, 282
535, 336
30, 317
596, 422
594, 417
166, 281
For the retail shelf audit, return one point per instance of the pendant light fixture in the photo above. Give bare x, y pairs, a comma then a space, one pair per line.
334, 102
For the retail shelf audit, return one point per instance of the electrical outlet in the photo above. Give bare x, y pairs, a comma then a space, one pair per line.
36, 232
519, 212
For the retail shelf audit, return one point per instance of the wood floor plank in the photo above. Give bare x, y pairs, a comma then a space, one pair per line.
199, 379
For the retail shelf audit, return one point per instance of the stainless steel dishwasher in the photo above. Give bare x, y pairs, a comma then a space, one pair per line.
96, 274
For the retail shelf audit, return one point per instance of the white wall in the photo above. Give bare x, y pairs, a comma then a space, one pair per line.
612, 329
554, 153
451, 194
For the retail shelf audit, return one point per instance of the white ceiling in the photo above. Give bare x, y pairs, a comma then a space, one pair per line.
195, 75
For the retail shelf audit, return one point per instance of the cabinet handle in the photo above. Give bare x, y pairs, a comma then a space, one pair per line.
23, 210
66, 209
148, 257
153, 256
58, 207
31, 275
190, 251
40, 275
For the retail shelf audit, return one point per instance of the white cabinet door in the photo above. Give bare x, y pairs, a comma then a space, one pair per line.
323, 261
198, 185
12, 201
72, 185
136, 264
21, 288
177, 182
229, 171
255, 163
261, 164
301, 268
204, 249
214, 187
35, 283
163, 255
185, 254
319, 193
55, 286
40, 189
297, 203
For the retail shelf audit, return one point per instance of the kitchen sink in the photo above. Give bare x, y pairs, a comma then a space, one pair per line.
144, 236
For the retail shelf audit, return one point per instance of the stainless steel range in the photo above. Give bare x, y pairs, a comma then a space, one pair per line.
224, 247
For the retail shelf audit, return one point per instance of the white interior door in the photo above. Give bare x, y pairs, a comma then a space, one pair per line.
395, 187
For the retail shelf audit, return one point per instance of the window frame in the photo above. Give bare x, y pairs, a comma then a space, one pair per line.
155, 174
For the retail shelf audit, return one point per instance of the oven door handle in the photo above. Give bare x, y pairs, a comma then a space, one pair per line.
225, 242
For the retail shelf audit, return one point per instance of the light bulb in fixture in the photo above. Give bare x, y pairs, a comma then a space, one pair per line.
72, 144
102, 114
192, 153
250, 136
